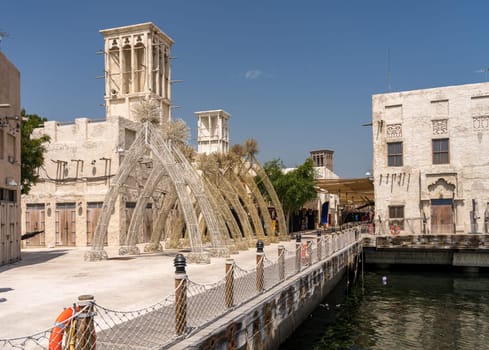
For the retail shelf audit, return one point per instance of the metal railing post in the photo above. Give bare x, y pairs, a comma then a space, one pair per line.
229, 283
320, 244
281, 263
85, 330
298, 252
309, 252
180, 294
259, 266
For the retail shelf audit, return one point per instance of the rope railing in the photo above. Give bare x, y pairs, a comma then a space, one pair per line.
191, 307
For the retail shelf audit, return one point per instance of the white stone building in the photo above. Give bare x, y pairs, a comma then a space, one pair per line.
327, 203
84, 155
431, 160
9, 162
323, 210
212, 131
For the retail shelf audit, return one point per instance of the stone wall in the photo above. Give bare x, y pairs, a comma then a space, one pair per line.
80, 161
10, 120
415, 118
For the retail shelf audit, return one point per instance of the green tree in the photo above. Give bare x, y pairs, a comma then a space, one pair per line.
294, 188
32, 150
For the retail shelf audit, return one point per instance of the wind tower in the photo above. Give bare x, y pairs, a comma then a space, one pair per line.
137, 66
212, 131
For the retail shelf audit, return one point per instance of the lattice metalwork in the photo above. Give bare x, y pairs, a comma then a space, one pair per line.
130, 161
36, 341
150, 186
197, 187
271, 275
244, 284
205, 302
290, 261
148, 328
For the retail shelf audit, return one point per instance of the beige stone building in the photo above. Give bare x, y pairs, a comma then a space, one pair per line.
212, 131
431, 160
10, 228
327, 203
84, 155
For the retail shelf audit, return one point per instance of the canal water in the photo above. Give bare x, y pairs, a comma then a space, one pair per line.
402, 309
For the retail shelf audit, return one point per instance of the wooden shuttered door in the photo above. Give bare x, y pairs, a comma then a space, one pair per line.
65, 224
442, 216
148, 223
34, 221
129, 212
93, 213
144, 232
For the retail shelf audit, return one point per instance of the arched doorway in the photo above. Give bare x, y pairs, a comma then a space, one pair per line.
441, 206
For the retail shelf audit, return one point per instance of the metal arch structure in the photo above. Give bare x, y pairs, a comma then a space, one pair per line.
183, 178
180, 169
198, 189
151, 184
158, 228
258, 169
137, 149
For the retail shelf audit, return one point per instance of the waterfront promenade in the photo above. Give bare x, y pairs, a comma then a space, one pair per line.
35, 290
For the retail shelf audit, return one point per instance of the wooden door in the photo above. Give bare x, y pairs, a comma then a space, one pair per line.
129, 213
34, 221
148, 223
441, 216
65, 224
93, 213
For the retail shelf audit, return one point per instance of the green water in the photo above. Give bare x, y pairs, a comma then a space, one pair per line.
422, 309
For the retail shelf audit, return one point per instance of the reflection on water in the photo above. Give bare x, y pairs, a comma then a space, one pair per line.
413, 310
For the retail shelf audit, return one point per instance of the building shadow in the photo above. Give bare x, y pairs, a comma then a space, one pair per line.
34, 257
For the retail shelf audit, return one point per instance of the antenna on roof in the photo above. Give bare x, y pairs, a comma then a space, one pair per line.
3, 35
388, 69
483, 70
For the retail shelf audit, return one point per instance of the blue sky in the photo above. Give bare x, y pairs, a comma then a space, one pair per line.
295, 75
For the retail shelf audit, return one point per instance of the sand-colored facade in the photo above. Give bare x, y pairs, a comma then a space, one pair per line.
431, 160
84, 155
212, 131
10, 228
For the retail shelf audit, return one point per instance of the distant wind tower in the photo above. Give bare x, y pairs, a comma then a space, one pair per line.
483, 70
388, 70
3, 35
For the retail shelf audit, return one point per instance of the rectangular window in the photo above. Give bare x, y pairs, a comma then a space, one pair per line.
396, 218
8, 195
12, 196
440, 151
129, 137
394, 154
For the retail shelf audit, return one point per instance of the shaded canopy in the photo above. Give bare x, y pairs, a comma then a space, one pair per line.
356, 192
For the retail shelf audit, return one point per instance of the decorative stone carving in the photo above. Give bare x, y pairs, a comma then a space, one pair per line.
394, 130
441, 189
481, 122
440, 126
